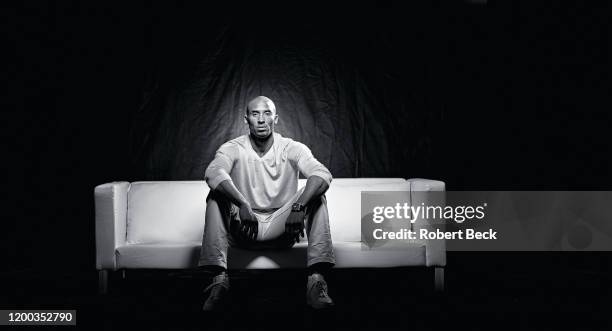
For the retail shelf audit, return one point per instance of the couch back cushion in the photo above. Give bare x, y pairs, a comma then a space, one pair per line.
166, 212
344, 203
173, 211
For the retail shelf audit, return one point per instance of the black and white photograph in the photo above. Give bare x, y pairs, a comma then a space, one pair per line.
307, 166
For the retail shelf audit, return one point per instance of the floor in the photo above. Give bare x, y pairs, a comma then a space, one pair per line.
477, 296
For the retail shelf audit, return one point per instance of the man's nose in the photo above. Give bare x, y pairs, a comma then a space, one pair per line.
260, 119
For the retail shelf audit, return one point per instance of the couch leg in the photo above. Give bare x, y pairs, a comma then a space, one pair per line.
123, 274
439, 279
102, 281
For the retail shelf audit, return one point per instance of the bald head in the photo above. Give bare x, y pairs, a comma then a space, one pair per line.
261, 117
261, 103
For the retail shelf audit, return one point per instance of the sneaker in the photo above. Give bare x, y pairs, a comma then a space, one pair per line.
218, 292
316, 292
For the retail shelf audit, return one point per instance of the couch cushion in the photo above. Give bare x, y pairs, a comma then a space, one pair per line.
344, 205
348, 255
159, 256
173, 211
166, 212
186, 255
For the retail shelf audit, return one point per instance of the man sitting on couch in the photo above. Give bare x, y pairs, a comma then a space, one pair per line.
254, 203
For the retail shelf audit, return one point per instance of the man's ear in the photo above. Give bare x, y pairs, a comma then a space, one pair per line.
245, 120
275, 119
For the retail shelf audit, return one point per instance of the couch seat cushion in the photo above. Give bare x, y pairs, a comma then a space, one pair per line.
186, 255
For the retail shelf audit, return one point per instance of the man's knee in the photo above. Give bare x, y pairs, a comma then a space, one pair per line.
216, 196
217, 205
316, 210
317, 202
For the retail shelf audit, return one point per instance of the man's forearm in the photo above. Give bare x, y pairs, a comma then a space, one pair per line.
315, 187
229, 190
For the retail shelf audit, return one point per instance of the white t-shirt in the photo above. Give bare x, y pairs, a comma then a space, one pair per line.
269, 181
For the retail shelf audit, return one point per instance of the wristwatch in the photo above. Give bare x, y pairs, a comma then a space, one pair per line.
297, 207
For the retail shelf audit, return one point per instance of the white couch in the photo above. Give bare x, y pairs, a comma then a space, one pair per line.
159, 225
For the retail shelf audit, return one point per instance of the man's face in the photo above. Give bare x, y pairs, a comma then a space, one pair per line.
261, 119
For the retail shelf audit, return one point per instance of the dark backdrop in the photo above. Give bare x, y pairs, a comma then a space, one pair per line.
480, 97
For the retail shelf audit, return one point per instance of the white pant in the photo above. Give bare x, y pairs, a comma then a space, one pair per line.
222, 218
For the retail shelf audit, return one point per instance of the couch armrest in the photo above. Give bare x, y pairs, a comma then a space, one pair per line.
111, 220
435, 250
